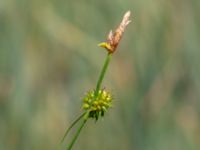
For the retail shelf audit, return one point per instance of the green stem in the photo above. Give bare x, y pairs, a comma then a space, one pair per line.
70, 127
101, 77
103, 71
76, 135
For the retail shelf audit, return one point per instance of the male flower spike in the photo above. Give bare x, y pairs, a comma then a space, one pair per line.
113, 39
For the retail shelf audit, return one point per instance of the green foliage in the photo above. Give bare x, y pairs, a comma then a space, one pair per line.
46, 65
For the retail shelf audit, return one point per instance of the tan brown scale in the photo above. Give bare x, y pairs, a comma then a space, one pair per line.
114, 39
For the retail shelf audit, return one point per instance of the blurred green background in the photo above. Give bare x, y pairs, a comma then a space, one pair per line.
49, 58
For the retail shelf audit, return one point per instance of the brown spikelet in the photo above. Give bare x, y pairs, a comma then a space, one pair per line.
113, 39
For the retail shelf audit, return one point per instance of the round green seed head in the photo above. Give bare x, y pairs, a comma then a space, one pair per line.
97, 105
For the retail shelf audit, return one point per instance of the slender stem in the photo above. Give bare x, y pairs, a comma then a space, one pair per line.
76, 135
86, 114
70, 127
103, 71
101, 76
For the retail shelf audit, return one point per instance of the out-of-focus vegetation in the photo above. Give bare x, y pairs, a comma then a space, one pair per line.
49, 57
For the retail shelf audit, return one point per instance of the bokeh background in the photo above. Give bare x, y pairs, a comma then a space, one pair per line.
49, 58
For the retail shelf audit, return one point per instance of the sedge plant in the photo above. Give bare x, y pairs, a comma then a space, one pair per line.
97, 102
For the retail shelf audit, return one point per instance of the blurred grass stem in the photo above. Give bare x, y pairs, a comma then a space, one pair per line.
76, 135
70, 127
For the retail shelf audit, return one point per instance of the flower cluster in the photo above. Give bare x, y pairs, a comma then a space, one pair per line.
113, 39
97, 104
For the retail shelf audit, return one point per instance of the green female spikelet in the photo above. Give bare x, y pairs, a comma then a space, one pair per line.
97, 106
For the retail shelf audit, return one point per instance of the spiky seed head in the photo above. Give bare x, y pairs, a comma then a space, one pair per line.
97, 106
